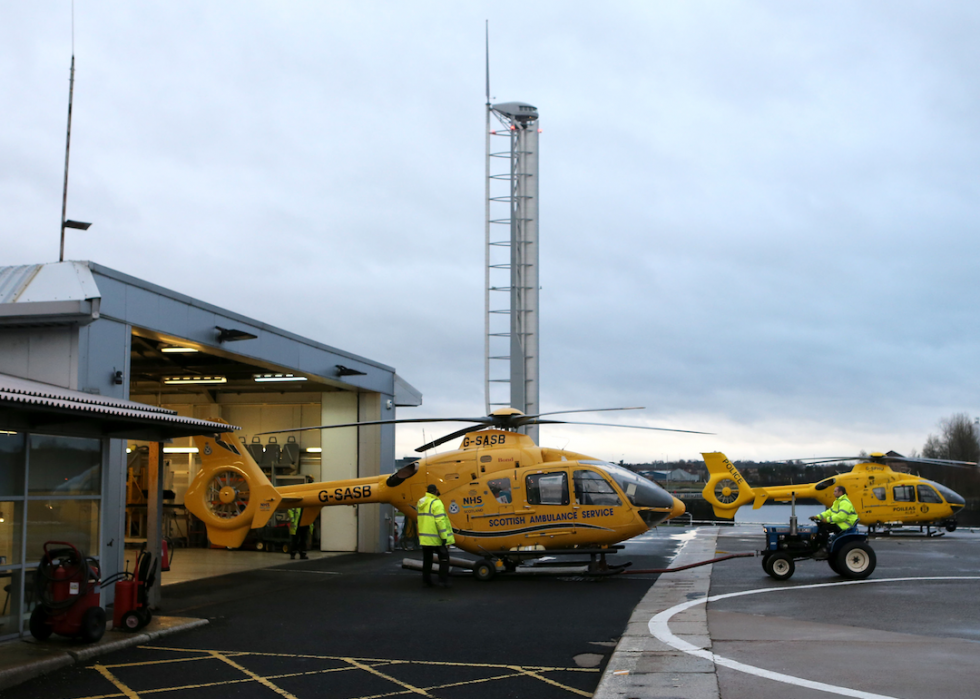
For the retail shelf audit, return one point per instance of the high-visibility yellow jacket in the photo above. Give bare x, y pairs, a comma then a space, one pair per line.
295, 515
434, 526
841, 513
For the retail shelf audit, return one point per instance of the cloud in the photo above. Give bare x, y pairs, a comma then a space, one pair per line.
757, 218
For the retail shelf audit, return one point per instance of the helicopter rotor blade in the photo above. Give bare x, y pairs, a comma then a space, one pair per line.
587, 410
445, 438
612, 424
475, 420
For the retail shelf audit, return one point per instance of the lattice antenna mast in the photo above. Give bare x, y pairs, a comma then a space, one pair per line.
511, 358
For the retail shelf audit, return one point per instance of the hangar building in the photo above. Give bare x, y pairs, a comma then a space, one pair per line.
96, 366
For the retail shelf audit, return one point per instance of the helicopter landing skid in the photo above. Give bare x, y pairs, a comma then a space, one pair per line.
515, 563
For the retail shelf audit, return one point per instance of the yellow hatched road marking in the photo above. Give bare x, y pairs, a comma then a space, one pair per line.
258, 678
368, 668
369, 665
125, 691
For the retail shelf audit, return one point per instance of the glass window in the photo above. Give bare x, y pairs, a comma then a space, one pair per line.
547, 489
10, 590
65, 466
74, 521
927, 494
592, 489
500, 488
10, 532
904, 493
11, 463
879, 492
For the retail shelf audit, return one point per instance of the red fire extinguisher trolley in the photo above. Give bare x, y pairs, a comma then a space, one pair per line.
66, 587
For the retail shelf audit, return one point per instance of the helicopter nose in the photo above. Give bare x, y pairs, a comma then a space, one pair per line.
678, 508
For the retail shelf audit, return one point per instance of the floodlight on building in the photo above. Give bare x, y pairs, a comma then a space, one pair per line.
277, 377
194, 379
177, 349
347, 371
233, 335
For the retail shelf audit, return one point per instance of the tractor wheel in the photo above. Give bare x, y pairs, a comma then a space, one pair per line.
781, 566
484, 570
93, 624
259, 545
285, 548
131, 620
832, 561
856, 561
40, 628
765, 562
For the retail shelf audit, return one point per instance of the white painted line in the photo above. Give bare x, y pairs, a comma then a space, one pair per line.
300, 570
660, 629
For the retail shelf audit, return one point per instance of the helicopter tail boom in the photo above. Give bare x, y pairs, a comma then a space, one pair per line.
232, 495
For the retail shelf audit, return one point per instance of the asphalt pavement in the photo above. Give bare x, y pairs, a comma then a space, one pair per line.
361, 626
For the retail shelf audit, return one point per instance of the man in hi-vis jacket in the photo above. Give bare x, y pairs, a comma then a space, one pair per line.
435, 535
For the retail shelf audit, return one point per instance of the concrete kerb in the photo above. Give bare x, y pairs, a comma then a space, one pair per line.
28, 658
642, 666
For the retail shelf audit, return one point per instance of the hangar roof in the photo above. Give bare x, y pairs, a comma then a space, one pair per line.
79, 293
27, 405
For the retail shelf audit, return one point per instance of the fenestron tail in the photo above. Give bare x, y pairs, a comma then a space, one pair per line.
230, 494
726, 489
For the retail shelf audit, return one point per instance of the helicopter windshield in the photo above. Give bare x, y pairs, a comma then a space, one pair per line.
952, 497
639, 491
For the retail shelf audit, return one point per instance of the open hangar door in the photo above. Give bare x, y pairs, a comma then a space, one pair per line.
202, 382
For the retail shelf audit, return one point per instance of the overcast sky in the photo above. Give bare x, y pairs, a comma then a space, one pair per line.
757, 219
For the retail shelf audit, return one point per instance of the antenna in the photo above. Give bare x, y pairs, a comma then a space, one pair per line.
488, 65
65, 223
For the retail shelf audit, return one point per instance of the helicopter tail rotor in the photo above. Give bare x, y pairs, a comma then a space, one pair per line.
230, 494
726, 489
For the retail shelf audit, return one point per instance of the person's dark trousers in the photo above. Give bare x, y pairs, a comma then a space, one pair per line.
297, 543
443, 552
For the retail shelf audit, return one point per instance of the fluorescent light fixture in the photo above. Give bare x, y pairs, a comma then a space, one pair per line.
180, 450
194, 379
177, 349
313, 450
278, 377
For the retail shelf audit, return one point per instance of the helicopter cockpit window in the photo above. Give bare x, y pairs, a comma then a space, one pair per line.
879, 492
500, 488
952, 497
638, 490
593, 489
904, 493
927, 494
547, 489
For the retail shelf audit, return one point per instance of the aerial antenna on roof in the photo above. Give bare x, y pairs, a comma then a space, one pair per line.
65, 223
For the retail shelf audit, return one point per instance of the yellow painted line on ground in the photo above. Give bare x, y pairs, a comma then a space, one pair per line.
258, 678
369, 665
552, 682
171, 661
388, 661
124, 690
368, 668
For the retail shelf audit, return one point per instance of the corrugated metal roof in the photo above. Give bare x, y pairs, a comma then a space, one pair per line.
13, 280
36, 394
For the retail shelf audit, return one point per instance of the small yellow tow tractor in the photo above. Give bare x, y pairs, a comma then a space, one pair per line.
848, 553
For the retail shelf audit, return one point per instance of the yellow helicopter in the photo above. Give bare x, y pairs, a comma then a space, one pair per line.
881, 496
508, 499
